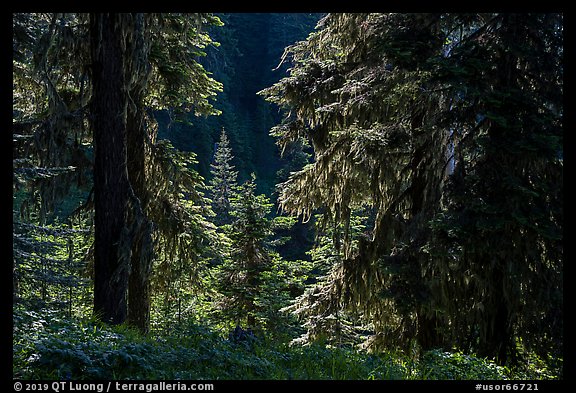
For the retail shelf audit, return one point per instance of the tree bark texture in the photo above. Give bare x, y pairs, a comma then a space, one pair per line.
111, 187
139, 282
137, 135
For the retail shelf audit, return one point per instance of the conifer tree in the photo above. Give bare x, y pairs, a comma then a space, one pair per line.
152, 61
241, 280
223, 185
449, 127
497, 243
253, 279
111, 185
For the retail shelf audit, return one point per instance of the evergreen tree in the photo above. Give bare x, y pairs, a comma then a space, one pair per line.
503, 215
148, 54
254, 282
246, 60
138, 57
241, 280
138, 134
361, 107
153, 61
111, 185
186, 239
223, 185
446, 118
51, 165
325, 321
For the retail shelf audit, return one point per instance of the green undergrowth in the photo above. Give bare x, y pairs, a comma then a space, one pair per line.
47, 345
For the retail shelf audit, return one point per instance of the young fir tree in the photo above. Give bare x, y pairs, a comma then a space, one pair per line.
223, 185
253, 280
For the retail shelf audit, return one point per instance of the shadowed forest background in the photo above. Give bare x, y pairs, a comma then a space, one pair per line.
288, 196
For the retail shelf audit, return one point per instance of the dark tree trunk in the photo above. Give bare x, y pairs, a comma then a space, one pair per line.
110, 175
498, 338
496, 335
429, 336
139, 284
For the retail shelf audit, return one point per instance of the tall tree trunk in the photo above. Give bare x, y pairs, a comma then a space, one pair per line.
139, 283
497, 340
141, 261
111, 185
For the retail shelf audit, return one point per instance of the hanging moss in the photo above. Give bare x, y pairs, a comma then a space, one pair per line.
421, 117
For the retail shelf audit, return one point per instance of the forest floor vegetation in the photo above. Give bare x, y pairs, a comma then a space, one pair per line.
48, 345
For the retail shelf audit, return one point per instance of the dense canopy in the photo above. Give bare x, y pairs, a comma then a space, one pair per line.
377, 185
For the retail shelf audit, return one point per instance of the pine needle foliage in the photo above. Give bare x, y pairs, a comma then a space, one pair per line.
449, 127
50, 267
54, 73
253, 282
223, 185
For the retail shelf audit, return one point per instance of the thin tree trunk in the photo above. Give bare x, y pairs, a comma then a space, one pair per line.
110, 175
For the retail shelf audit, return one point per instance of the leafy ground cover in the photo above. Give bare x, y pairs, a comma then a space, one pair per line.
47, 345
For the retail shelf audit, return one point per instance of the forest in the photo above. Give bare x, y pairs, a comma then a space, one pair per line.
287, 196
